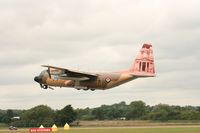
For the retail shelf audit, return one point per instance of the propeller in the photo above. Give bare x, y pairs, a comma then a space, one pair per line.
41, 85
48, 70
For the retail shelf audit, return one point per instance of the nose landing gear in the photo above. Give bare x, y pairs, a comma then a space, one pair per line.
46, 87
43, 86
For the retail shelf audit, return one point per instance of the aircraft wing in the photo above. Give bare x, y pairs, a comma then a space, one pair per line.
67, 74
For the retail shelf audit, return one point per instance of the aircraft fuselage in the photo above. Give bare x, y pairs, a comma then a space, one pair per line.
103, 81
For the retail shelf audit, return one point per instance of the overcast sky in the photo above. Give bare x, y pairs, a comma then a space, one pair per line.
99, 35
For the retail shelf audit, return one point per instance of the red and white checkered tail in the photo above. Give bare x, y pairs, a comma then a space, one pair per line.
144, 62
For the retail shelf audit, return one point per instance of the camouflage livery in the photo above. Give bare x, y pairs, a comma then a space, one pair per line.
143, 66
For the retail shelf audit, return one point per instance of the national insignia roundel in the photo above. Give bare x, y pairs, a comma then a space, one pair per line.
108, 80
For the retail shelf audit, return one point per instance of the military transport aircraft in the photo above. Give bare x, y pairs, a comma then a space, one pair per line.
143, 66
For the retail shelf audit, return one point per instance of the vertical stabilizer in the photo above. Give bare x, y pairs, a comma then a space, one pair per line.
144, 62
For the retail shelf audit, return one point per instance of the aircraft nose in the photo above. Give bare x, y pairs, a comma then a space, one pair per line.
38, 79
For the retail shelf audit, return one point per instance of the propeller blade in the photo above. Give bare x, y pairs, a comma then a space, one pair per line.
48, 70
41, 86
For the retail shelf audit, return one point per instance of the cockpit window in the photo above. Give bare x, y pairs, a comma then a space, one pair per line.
42, 73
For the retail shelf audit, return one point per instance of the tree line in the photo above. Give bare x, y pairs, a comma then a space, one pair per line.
41, 114
136, 110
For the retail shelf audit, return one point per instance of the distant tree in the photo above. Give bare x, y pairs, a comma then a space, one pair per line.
1, 116
190, 113
36, 116
160, 112
6, 118
136, 110
118, 111
84, 114
198, 108
174, 113
110, 112
98, 113
10, 113
104, 112
65, 115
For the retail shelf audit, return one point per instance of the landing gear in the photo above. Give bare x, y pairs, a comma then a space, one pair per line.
85, 89
43, 86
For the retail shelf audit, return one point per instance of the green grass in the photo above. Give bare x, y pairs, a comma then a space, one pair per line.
124, 130
3, 125
137, 130
132, 123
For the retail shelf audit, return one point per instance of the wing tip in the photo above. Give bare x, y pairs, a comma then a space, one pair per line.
46, 66
43, 65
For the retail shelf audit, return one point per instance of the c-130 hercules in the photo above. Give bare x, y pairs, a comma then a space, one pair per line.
143, 66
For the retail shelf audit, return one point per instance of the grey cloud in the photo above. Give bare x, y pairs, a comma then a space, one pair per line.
102, 36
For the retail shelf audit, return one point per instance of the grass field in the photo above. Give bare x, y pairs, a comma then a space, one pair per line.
122, 130
133, 123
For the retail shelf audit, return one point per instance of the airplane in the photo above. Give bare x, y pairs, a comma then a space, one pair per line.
142, 67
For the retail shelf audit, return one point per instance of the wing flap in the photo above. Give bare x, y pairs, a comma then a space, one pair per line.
74, 78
